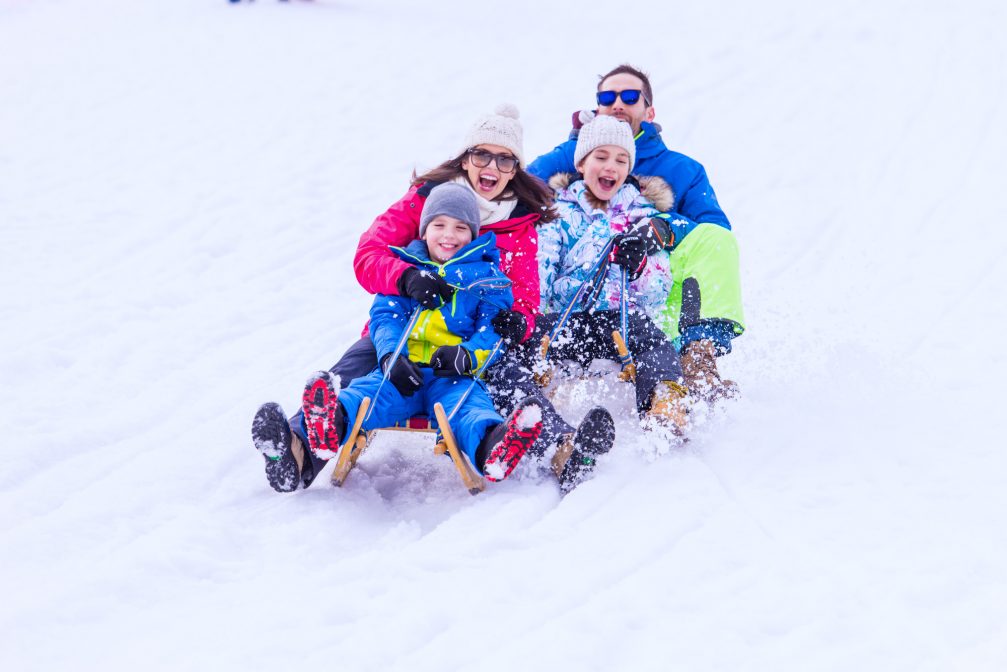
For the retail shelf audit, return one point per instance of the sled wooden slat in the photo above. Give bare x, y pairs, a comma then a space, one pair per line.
472, 480
358, 440
355, 444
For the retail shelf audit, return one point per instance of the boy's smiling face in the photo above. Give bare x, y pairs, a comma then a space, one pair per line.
445, 235
605, 170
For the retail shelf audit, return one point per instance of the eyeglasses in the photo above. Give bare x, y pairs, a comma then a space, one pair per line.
629, 96
481, 158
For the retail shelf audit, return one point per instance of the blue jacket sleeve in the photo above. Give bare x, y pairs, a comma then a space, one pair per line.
698, 203
389, 319
559, 160
695, 201
484, 338
680, 227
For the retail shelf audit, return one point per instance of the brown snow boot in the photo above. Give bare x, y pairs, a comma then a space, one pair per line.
577, 454
668, 406
699, 367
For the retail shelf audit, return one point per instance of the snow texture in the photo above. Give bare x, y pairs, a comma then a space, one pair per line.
182, 186
529, 416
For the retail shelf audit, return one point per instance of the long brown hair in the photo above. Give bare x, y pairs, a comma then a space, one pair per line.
529, 190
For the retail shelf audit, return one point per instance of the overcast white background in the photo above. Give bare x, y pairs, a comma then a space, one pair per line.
182, 185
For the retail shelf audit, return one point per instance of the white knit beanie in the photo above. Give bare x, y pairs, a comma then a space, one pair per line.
605, 130
500, 128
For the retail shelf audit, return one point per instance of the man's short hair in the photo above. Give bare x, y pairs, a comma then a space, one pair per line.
627, 69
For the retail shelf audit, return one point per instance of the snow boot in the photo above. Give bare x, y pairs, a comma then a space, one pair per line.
510, 440
575, 459
668, 407
699, 367
324, 416
282, 449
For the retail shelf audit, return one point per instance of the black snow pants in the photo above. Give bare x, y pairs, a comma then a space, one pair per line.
588, 336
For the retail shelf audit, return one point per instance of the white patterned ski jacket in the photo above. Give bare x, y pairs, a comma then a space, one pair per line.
569, 246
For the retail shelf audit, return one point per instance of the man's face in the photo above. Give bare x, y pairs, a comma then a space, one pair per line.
631, 114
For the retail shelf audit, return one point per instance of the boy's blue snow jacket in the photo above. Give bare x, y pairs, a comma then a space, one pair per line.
695, 201
481, 291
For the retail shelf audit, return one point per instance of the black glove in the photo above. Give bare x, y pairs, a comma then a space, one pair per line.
630, 252
451, 360
655, 232
510, 325
403, 374
430, 289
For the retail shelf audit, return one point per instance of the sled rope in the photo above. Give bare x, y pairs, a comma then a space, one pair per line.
622, 336
475, 379
395, 354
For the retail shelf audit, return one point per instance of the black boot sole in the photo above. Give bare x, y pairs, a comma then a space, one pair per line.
595, 436
271, 436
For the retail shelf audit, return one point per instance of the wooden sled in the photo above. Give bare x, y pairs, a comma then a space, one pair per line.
359, 439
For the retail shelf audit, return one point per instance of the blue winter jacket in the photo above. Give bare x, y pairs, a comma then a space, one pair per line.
695, 201
481, 291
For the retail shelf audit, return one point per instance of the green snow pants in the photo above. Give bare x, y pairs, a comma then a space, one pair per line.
705, 298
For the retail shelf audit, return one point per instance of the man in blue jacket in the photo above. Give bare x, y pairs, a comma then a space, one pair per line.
704, 310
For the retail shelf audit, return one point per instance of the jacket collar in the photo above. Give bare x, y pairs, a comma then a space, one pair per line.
482, 248
577, 194
649, 142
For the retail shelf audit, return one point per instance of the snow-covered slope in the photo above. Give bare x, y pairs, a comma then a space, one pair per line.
181, 188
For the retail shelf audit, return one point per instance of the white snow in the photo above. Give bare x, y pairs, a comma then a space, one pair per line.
182, 185
529, 417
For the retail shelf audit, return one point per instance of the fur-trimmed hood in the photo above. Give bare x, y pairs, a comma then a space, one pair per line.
653, 188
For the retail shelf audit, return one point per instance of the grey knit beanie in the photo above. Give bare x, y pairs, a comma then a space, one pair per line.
454, 200
500, 128
605, 130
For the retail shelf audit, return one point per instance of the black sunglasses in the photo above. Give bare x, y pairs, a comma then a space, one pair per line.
629, 96
481, 158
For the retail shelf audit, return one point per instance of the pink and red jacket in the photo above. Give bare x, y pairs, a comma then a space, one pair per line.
378, 268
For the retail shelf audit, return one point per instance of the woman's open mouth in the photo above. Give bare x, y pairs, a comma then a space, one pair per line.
488, 182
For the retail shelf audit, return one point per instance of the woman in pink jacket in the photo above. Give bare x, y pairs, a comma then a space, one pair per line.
512, 202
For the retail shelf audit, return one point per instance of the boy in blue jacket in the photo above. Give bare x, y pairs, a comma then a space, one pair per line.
445, 348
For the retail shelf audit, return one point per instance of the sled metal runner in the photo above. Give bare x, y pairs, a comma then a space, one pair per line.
358, 440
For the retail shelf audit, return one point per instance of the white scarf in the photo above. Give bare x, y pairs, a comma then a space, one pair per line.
491, 212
